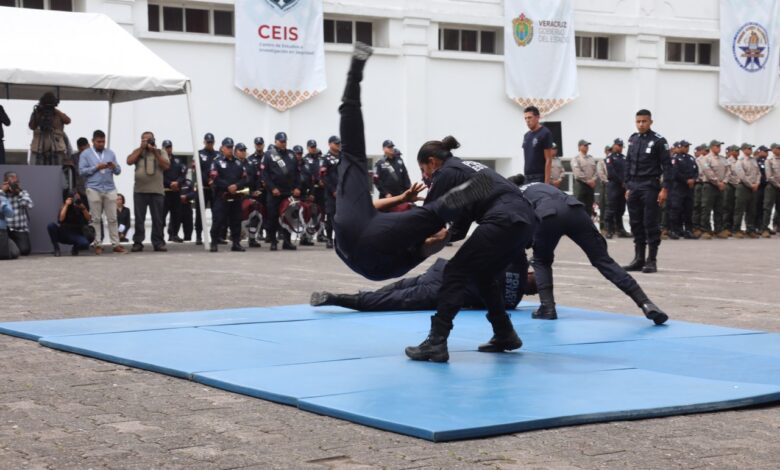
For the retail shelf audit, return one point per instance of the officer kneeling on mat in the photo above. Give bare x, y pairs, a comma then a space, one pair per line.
229, 178
280, 174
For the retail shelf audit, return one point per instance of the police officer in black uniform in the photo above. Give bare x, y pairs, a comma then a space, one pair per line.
561, 214
329, 176
616, 190
647, 161
685, 172
282, 180
173, 181
390, 175
763, 153
187, 195
229, 177
253, 165
206, 158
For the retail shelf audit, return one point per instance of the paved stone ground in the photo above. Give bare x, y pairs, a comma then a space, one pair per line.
59, 410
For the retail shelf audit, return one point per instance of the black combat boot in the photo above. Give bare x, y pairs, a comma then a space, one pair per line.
546, 310
434, 348
253, 243
329, 244
651, 310
504, 336
237, 247
214, 248
650, 265
322, 298
639, 259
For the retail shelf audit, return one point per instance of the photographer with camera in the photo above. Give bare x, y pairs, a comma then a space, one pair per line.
48, 125
98, 166
19, 223
73, 226
149, 191
8, 249
4, 121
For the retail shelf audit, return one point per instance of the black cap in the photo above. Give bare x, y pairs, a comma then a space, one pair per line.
240, 146
388, 143
311, 143
334, 139
281, 136
209, 137
676, 144
618, 141
227, 142
763, 148
259, 141
166, 144
298, 149
684, 143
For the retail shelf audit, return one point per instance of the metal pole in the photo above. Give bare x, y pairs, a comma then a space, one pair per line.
110, 117
198, 172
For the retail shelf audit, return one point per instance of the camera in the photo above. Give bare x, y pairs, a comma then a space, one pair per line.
151, 142
14, 188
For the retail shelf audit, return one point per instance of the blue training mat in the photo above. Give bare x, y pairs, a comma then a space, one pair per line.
585, 367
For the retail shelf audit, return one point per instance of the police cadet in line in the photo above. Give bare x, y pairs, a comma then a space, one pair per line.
329, 175
675, 149
390, 175
616, 190
187, 196
730, 194
749, 181
173, 181
280, 174
685, 172
763, 153
313, 161
647, 160
772, 194
716, 170
206, 156
701, 151
601, 187
229, 177
252, 166
583, 167
305, 183
557, 172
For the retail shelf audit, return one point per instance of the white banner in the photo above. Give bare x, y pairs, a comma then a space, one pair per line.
749, 56
540, 62
280, 55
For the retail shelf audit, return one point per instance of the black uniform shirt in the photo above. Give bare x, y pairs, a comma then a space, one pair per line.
226, 172
206, 160
176, 172
391, 177
761, 161
330, 172
280, 171
684, 168
534, 145
616, 168
253, 174
648, 157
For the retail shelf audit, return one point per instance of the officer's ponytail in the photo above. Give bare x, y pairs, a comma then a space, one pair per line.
441, 149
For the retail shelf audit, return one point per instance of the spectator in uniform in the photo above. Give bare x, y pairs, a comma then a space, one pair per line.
173, 181
537, 148
206, 157
616, 190
745, 203
329, 175
772, 193
701, 151
601, 189
647, 161
730, 193
255, 184
229, 177
716, 171
763, 153
557, 172
281, 178
685, 172
390, 175
583, 167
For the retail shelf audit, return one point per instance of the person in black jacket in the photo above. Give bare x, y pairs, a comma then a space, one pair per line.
329, 179
73, 218
173, 181
560, 214
282, 180
229, 177
685, 172
390, 175
616, 190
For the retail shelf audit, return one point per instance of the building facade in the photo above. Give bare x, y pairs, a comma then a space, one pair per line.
438, 70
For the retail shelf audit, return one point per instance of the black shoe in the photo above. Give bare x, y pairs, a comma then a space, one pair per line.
321, 298
639, 259
175, 239
274, 246
329, 244
288, 246
321, 238
199, 242
187, 239
306, 242
507, 342
74, 251
674, 236
57, 252
137, 247
433, 349
214, 248
162, 248
688, 235
474, 189
222, 241
545, 312
654, 313
650, 267
253, 243
267, 239
237, 247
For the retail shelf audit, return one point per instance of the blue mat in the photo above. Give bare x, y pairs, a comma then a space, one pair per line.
586, 367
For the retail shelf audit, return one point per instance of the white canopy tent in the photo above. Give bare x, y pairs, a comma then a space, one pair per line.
95, 60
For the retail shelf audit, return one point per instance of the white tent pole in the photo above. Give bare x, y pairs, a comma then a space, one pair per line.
110, 118
198, 172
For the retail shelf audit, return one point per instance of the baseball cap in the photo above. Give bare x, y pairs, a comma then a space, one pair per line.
281, 136
732, 148
676, 143
259, 141
298, 149
715, 142
746, 145
166, 144
618, 141
240, 146
209, 137
774, 146
311, 143
388, 143
227, 142
763, 148
583, 142
683, 143
608, 148
334, 139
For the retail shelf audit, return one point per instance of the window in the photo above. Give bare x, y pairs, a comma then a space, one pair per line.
468, 40
592, 47
201, 20
58, 5
690, 52
347, 32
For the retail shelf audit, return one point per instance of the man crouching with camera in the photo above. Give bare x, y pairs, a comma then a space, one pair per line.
73, 226
20, 201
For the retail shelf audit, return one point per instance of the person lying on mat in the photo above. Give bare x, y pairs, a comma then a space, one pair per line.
422, 292
561, 214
